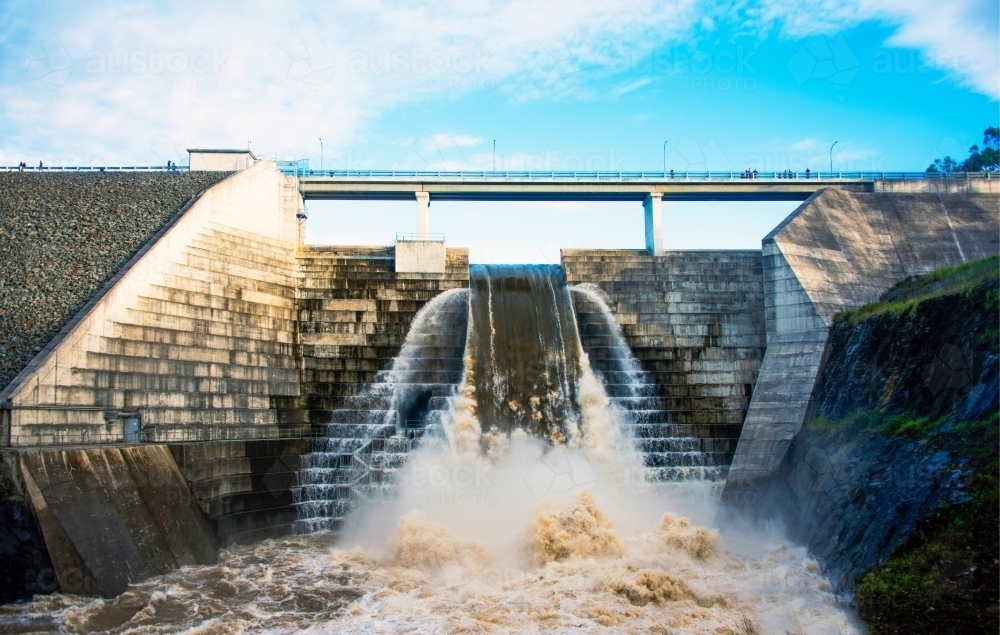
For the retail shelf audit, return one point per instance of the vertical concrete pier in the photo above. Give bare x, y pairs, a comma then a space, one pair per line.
653, 207
423, 205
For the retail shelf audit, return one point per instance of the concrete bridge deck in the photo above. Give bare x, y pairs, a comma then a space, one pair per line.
604, 186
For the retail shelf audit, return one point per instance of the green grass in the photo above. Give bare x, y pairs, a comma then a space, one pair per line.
943, 579
862, 422
907, 294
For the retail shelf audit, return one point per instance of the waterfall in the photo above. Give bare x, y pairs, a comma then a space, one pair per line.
528, 353
526, 365
670, 451
366, 442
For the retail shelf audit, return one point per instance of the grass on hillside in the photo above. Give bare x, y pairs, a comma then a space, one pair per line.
908, 293
943, 578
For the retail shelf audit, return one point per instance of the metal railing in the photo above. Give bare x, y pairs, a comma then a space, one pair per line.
67, 438
634, 176
95, 168
301, 169
408, 238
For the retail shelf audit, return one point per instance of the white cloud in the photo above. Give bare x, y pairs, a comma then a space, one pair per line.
284, 75
960, 37
142, 82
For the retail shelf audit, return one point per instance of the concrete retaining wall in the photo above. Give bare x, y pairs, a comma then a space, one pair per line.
354, 312
198, 330
694, 320
113, 517
838, 251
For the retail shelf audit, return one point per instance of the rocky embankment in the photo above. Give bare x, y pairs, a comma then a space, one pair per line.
893, 483
63, 235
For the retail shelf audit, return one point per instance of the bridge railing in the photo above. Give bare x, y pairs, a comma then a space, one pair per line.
630, 176
300, 169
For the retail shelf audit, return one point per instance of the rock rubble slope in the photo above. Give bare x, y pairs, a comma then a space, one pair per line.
63, 235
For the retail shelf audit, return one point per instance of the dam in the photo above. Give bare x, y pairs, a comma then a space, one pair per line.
227, 384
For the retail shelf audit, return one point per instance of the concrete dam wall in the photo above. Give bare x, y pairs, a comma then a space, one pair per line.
240, 353
839, 251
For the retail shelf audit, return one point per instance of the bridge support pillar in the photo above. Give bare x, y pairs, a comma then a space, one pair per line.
423, 203
653, 206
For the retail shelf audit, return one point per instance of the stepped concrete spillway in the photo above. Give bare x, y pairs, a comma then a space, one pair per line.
276, 379
695, 322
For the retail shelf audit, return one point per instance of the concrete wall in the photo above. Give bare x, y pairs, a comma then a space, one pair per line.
420, 256
354, 312
215, 161
838, 251
198, 329
952, 185
112, 517
694, 320
244, 488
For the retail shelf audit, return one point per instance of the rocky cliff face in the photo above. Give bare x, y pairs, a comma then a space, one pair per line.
903, 429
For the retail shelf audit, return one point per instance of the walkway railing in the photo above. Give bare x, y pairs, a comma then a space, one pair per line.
95, 168
630, 176
296, 168
64, 439
406, 238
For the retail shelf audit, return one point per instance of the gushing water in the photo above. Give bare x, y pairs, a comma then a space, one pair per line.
503, 522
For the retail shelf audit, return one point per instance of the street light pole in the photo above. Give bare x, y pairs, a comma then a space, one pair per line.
320, 155
494, 155
664, 158
831, 156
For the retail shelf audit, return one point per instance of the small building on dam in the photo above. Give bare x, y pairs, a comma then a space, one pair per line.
180, 372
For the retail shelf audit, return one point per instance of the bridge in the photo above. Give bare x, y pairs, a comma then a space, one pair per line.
651, 188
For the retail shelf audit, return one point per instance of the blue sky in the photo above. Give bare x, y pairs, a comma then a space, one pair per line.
557, 85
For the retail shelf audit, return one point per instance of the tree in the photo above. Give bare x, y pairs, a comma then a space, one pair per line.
946, 165
985, 160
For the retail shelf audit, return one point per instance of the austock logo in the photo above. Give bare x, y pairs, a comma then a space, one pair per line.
825, 58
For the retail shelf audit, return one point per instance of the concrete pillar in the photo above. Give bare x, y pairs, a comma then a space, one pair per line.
654, 223
423, 203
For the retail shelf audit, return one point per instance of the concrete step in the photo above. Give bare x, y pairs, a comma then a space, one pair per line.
133, 399
244, 313
686, 459
231, 299
263, 328
125, 381
655, 424
715, 473
207, 263
194, 278
686, 444
172, 344
245, 259
236, 364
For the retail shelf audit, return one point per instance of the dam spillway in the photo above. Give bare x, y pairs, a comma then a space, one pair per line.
251, 357
524, 349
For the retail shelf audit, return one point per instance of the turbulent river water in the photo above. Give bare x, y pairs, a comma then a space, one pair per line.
494, 530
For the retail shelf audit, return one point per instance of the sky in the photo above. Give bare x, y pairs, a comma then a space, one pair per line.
556, 85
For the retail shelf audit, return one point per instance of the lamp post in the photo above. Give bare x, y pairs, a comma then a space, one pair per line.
494, 155
664, 158
831, 156
321, 155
